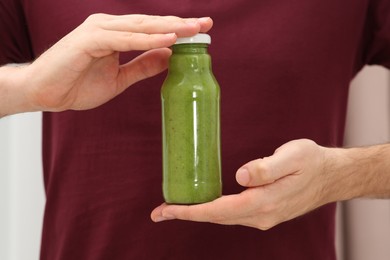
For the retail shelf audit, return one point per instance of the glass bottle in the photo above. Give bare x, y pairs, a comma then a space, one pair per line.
191, 125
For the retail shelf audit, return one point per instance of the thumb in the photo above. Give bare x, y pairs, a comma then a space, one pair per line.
267, 170
147, 65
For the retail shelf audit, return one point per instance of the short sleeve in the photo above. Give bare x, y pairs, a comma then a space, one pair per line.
15, 44
377, 35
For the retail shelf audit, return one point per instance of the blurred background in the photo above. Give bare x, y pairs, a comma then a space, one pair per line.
363, 226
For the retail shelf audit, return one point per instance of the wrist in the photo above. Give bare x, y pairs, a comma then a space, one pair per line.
357, 172
340, 183
13, 86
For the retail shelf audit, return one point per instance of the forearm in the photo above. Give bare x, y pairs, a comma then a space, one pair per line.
358, 172
13, 98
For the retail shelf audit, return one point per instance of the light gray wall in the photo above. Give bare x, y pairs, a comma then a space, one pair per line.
21, 187
366, 223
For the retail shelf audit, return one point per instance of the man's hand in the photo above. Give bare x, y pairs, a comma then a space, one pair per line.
82, 70
299, 177
283, 186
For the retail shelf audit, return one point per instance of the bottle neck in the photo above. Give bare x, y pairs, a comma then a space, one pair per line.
192, 57
190, 48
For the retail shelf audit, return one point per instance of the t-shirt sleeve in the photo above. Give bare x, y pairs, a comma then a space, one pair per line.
377, 48
15, 44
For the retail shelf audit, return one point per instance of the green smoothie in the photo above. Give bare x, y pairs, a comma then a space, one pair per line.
191, 126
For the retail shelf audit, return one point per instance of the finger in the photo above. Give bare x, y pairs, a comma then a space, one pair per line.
223, 210
144, 66
153, 24
268, 170
205, 24
157, 215
103, 43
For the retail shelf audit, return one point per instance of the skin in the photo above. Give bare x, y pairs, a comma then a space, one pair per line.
82, 70
299, 177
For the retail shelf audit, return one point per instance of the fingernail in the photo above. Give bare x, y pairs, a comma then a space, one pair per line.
163, 217
203, 19
170, 35
159, 219
242, 176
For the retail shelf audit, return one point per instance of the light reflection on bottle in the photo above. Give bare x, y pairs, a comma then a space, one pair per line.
195, 129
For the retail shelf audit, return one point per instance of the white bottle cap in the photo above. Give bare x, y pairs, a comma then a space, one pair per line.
198, 38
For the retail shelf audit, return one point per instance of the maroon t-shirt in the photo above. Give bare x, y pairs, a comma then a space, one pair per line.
284, 68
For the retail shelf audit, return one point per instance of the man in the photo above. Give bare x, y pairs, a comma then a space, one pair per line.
284, 70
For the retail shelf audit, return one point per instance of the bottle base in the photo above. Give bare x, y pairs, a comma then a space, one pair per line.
201, 193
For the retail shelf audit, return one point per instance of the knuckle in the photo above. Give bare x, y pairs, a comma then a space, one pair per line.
93, 23
95, 17
303, 147
262, 172
139, 20
261, 223
128, 36
172, 18
183, 214
265, 225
